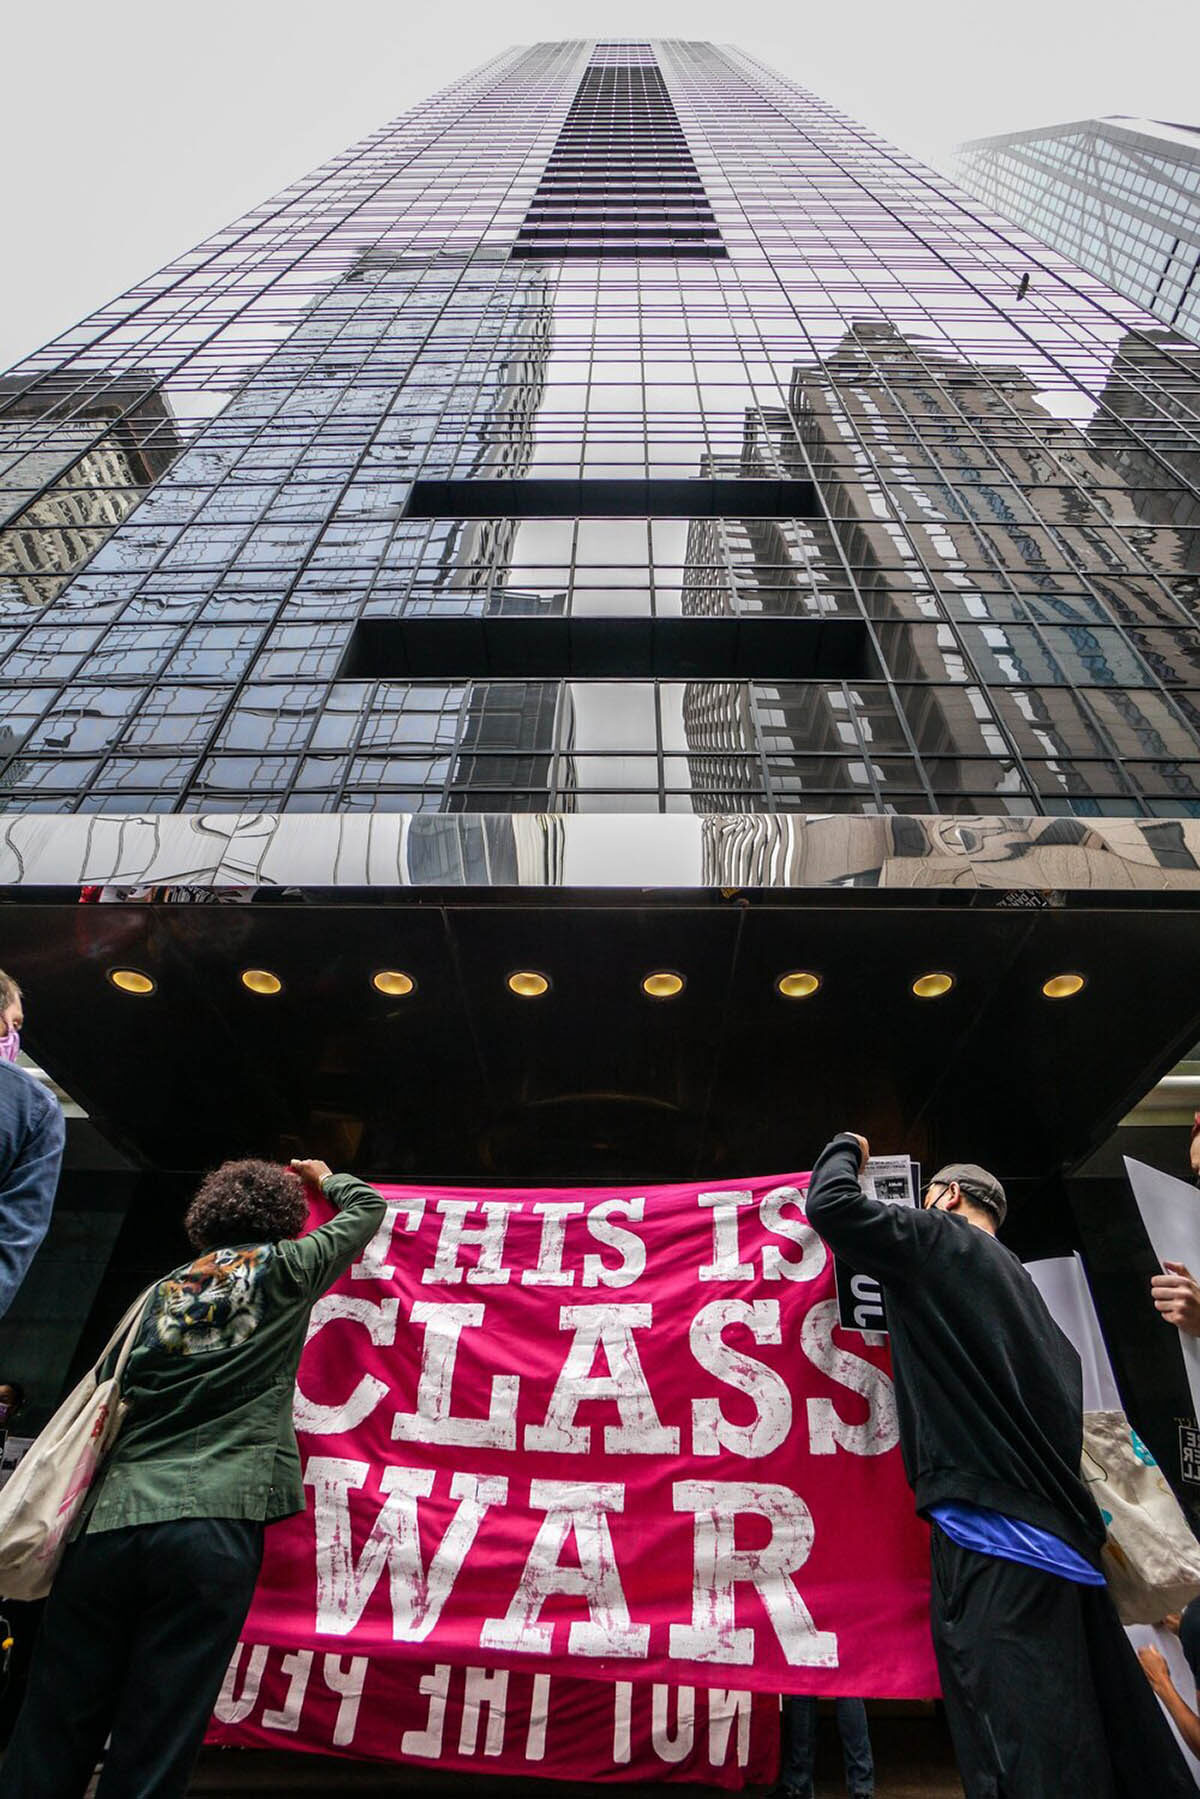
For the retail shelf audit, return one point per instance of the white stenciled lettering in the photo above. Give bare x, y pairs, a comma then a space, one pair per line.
578, 1509
372, 1264
724, 1709
426, 1743
483, 1689
719, 1568
711, 1430
489, 1236
668, 1745
348, 1684
629, 1246
813, 1254
379, 1319
434, 1420
726, 1264
550, 1271
606, 1330
623, 1722
539, 1717
828, 1431
233, 1707
418, 1593
298, 1667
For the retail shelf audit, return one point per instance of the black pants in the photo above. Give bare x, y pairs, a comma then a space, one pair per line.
798, 1761
138, 1632
1045, 1698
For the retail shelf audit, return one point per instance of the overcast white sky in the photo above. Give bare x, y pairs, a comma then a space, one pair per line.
130, 131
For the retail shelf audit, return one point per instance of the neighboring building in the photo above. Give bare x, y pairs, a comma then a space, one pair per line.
75, 459
1119, 196
1149, 419
620, 517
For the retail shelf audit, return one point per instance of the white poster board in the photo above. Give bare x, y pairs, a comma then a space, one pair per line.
1170, 1211
1063, 1285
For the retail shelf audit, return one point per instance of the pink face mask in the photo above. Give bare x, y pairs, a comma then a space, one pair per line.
10, 1046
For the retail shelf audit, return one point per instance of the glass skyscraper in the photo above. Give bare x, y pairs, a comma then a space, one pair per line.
340, 511
1119, 196
620, 519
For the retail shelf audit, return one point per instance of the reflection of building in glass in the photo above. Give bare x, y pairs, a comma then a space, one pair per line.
490, 340
998, 556
1149, 429
1119, 196
73, 464
485, 850
738, 731
981, 583
514, 751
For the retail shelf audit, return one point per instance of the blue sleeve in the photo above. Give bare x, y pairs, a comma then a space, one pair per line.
886, 1241
27, 1194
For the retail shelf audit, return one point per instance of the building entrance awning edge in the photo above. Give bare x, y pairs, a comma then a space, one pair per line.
159, 856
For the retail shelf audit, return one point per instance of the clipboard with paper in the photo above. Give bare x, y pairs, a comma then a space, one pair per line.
896, 1180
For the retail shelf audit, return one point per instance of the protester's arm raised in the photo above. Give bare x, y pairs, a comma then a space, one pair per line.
887, 1241
1154, 1666
317, 1259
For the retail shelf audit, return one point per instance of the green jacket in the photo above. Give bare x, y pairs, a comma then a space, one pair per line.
210, 1380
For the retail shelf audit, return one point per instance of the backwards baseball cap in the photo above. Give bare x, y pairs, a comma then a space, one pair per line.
977, 1184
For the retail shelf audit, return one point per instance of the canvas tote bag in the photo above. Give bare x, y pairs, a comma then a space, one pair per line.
1151, 1558
43, 1496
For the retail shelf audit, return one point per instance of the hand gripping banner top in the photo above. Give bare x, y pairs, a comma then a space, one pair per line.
610, 1434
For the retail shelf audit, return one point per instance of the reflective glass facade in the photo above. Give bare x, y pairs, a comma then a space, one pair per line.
1121, 197
224, 585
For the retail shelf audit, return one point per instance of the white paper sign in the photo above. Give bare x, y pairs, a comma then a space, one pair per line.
1063, 1285
1170, 1211
860, 1301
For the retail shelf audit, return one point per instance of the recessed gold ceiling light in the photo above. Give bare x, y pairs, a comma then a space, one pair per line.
932, 986
393, 981
1062, 986
798, 984
261, 980
131, 980
664, 983
528, 983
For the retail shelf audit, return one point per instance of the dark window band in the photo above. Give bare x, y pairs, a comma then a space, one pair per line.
705, 497
662, 649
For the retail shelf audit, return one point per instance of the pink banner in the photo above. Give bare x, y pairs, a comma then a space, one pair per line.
611, 1438
386, 1708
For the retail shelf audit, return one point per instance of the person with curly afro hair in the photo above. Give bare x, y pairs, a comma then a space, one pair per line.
153, 1591
246, 1202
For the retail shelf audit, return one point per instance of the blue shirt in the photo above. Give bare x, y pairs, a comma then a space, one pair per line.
991, 1533
31, 1149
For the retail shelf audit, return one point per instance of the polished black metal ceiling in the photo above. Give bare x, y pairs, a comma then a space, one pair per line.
461, 1080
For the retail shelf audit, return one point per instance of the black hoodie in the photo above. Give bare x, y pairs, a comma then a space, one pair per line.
989, 1392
